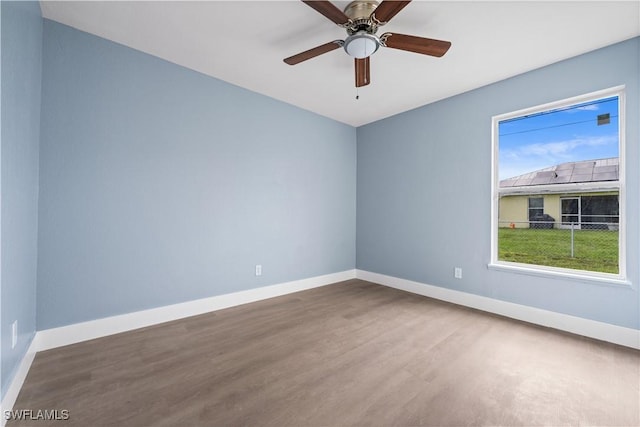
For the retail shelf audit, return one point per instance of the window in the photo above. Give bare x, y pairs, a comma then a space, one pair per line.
558, 187
599, 212
536, 208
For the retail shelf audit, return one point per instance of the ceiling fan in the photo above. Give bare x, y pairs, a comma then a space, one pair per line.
361, 19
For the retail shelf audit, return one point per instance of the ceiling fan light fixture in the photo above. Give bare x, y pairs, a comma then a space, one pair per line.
361, 44
361, 20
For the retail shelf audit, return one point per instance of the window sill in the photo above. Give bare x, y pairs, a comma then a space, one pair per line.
559, 273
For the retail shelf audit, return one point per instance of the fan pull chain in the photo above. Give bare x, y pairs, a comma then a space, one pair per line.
357, 93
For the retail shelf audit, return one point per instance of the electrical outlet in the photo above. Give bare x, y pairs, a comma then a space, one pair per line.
457, 273
258, 270
14, 334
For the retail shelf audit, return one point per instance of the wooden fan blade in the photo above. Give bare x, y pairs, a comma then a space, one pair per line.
363, 77
415, 44
388, 9
312, 53
327, 9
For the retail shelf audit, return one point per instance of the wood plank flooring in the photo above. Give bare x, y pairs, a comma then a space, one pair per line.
352, 353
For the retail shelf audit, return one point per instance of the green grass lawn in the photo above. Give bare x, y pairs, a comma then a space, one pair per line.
594, 250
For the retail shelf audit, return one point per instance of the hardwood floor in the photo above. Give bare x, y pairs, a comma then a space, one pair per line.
352, 353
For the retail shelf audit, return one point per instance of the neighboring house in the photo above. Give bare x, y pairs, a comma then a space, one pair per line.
569, 193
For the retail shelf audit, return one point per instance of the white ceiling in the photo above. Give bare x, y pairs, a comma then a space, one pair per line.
244, 43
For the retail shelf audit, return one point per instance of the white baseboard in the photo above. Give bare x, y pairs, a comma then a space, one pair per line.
65, 335
16, 384
589, 328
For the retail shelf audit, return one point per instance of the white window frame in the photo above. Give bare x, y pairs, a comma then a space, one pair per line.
582, 275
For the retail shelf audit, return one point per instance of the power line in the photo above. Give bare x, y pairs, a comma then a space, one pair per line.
557, 110
549, 127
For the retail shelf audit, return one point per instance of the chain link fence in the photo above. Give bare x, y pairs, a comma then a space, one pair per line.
590, 246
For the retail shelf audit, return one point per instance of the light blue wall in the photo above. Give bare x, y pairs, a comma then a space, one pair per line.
21, 78
424, 189
160, 185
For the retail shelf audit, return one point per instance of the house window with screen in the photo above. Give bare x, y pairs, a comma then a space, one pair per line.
557, 185
536, 208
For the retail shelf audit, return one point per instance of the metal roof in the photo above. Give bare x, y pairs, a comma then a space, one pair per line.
567, 173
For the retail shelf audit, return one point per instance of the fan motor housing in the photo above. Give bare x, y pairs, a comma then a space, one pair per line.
359, 9
359, 12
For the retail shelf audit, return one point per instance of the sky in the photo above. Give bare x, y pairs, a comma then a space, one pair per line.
568, 134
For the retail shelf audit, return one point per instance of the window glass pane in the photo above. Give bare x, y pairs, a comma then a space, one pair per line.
600, 209
533, 143
536, 202
569, 206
